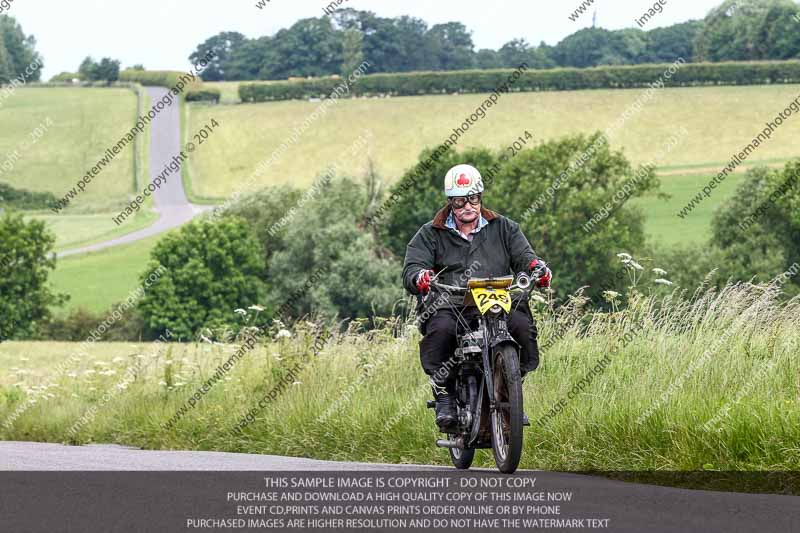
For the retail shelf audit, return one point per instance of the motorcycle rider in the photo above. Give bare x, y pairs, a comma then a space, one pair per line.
466, 237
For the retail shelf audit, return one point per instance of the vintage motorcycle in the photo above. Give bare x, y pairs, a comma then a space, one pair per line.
487, 374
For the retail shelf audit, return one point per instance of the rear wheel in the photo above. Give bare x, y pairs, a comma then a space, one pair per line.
462, 459
507, 417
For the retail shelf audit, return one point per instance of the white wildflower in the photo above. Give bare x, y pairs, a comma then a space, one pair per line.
636, 265
284, 333
256, 308
162, 383
72, 374
89, 372
610, 295
659, 272
240, 312
661, 281
624, 256
118, 360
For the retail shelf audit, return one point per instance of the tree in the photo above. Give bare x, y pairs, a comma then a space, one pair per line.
450, 46
332, 265
87, 69
741, 30
758, 229
487, 59
665, 45
223, 47
518, 51
514, 53
6, 68
207, 270
26, 259
383, 43
25, 62
246, 61
107, 70
318, 258
310, 47
585, 48
352, 51
590, 47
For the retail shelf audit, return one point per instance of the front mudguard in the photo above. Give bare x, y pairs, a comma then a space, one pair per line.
502, 339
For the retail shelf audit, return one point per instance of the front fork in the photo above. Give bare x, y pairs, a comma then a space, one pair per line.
495, 332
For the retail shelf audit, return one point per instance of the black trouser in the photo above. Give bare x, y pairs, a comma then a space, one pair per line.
439, 341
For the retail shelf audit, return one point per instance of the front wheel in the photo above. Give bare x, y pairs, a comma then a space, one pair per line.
462, 459
507, 417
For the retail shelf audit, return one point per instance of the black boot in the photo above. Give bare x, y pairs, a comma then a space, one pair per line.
445, 406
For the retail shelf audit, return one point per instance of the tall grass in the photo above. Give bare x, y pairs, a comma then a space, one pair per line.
710, 382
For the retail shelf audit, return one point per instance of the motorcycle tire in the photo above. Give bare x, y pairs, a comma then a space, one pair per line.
506, 421
462, 459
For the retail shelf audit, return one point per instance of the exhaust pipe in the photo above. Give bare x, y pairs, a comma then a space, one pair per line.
457, 443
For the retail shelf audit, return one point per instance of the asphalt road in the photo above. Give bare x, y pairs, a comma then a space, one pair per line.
109, 457
139, 489
170, 200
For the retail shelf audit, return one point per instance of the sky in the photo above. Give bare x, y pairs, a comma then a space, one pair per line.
160, 34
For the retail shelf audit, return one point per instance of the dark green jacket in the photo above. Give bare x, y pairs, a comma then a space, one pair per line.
499, 249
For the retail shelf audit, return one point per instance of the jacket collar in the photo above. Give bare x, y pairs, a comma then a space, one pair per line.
441, 217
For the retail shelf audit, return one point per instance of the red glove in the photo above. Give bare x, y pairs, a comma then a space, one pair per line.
424, 281
539, 268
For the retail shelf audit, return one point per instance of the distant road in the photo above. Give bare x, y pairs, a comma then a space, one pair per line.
170, 200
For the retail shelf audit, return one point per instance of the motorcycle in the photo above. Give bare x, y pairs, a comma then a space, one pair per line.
487, 374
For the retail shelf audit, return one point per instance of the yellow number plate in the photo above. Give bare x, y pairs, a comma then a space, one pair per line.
486, 298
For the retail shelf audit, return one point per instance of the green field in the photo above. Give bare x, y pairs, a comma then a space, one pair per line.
86, 121
98, 279
662, 224
720, 121
74, 231
732, 354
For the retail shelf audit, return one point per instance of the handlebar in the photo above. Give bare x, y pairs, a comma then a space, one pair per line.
524, 282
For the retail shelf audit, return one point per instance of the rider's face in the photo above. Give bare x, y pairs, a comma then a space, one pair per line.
468, 213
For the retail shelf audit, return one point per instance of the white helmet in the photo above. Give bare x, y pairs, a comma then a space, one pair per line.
463, 180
